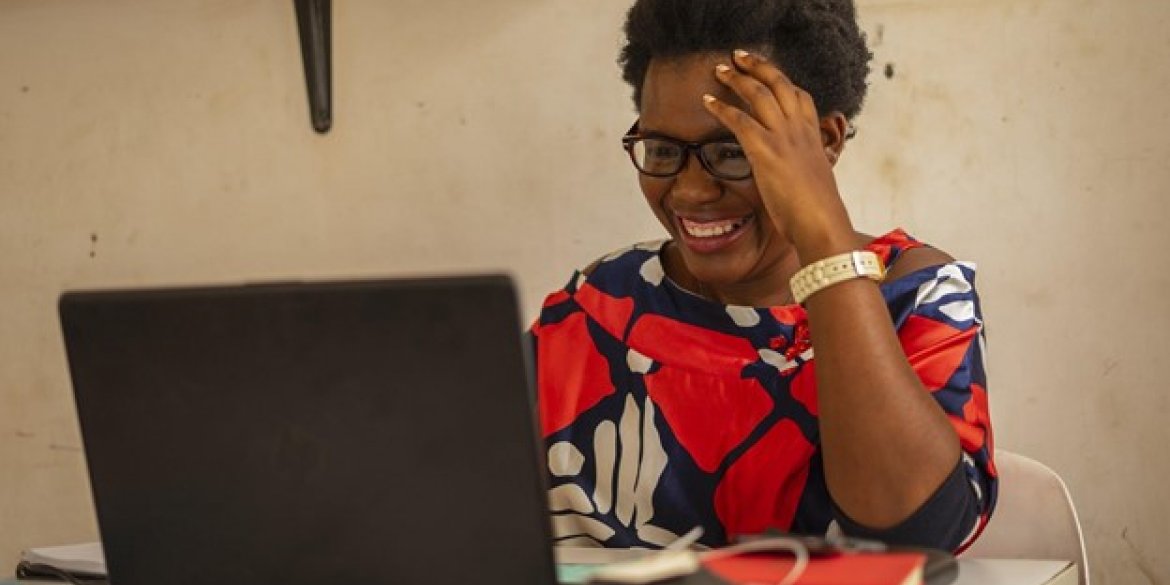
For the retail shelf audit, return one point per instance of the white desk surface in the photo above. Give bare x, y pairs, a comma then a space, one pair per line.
971, 571
1015, 572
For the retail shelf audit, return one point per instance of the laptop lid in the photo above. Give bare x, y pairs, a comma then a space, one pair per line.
365, 432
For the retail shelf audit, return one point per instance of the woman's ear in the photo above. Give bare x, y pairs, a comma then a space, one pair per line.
834, 130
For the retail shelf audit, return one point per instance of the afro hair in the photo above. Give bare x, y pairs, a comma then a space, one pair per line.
817, 43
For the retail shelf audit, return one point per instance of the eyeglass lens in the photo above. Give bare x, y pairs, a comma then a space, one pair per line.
662, 158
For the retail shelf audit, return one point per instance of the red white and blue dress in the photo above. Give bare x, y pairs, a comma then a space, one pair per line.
661, 410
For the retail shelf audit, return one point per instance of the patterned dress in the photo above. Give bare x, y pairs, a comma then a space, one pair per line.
662, 411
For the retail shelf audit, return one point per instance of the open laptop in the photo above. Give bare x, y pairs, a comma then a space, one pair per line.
317, 433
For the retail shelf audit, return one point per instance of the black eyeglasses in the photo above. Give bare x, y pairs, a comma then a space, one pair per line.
659, 156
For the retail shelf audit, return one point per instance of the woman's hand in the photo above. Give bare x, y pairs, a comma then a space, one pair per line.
782, 137
887, 445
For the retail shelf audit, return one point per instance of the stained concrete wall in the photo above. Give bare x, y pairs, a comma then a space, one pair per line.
149, 142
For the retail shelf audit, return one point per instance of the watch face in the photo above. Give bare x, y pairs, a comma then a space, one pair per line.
879, 270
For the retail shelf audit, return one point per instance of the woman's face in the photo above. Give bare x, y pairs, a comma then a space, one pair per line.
722, 232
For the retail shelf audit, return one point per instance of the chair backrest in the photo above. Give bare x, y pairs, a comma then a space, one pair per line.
1034, 516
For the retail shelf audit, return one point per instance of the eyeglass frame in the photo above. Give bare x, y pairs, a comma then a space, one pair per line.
688, 147
632, 136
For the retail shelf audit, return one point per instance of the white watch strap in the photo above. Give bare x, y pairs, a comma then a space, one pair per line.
835, 269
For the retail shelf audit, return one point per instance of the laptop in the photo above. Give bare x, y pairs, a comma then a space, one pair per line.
370, 432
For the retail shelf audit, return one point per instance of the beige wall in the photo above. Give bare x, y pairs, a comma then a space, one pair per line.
152, 142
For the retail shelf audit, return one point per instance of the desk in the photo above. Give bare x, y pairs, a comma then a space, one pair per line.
971, 572
1016, 572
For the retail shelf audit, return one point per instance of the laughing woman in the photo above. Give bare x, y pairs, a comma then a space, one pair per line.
766, 366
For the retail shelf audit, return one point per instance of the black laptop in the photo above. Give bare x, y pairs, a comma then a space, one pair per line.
375, 432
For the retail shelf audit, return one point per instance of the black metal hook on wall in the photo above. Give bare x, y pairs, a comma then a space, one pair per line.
314, 24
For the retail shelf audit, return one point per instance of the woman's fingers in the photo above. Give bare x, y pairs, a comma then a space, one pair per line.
792, 100
747, 129
761, 101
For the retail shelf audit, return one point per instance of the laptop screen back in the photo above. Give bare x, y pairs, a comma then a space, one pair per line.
365, 432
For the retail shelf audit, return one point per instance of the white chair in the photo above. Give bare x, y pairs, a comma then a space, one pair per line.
1034, 516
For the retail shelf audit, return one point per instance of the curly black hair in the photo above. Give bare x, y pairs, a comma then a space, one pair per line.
817, 43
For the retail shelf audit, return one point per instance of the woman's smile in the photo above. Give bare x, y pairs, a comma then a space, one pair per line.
708, 235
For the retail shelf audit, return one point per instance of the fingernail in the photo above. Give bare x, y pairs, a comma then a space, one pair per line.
721, 68
708, 98
741, 54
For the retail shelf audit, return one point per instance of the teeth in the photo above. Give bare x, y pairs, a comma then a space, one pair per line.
712, 229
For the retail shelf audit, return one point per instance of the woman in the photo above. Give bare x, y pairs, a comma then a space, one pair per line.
677, 379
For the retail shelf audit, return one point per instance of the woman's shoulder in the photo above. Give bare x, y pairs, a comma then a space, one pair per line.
621, 273
926, 281
624, 259
608, 287
903, 254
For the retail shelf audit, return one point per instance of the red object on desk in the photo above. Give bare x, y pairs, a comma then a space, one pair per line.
836, 569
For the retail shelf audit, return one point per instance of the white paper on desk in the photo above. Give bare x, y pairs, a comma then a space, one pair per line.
86, 558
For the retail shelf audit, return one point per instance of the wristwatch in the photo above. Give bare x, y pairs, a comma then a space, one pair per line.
835, 269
